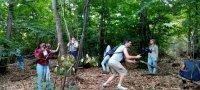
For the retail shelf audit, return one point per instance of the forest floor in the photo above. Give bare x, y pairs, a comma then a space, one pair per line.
92, 78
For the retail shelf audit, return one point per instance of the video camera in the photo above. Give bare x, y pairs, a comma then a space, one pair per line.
71, 43
145, 50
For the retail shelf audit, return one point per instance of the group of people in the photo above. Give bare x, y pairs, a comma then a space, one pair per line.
43, 55
190, 70
112, 62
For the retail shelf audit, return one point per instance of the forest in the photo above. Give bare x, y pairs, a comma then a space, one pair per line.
26, 24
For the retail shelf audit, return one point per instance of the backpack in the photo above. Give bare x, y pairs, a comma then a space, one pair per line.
112, 51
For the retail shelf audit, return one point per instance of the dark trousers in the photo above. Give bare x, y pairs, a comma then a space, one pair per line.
74, 53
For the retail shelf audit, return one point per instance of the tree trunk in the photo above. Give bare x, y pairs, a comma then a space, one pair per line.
58, 28
193, 41
86, 12
65, 22
73, 21
10, 18
145, 32
60, 39
189, 35
102, 30
196, 26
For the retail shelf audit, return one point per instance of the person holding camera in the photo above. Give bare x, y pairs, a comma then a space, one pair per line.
152, 56
73, 47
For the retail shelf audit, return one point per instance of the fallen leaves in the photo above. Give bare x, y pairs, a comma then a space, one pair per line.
92, 79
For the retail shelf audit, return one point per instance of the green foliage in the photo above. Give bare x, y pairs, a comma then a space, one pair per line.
90, 61
34, 22
7, 48
67, 66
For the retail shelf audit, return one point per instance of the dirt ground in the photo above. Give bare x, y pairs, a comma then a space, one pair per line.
91, 79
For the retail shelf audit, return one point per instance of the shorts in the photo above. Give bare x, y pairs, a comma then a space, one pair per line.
117, 69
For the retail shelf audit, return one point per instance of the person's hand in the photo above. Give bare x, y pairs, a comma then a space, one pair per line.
58, 44
134, 61
138, 56
70, 41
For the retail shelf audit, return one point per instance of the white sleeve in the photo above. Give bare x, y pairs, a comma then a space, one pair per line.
108, 48
76, 44
68, 44
52, 51
156, 49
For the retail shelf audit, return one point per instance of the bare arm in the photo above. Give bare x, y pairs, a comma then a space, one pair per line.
129, 57
130, 61
183, 68
68, 44
53, 51
58, 47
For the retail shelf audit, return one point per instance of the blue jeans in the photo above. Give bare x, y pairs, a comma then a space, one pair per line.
104, 63
20, 65
152, 61
43, 70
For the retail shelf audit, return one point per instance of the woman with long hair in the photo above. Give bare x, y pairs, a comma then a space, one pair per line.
42, 59
152, 56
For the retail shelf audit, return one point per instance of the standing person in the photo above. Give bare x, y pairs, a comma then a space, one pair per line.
152, 56
20, 61
116, 67
73, 47
104, 63
42, 59
107, 48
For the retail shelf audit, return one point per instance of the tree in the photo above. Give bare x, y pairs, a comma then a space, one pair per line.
102, 30
10, 18
58, 29
85, 23
65, 22
144, 26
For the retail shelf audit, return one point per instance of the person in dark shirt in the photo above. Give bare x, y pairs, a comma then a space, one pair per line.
190, 70
20, 61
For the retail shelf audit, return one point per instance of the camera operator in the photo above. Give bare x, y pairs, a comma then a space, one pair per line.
73, 47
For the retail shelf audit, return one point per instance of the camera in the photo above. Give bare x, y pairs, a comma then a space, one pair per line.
146, 50
71, 43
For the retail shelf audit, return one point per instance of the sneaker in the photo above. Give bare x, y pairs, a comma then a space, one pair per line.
104, 85
121, 88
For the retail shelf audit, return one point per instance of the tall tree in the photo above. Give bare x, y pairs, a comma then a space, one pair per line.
196, 26
144, 26
58, 28
65, 22
102, 29
85, 22
10, 18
